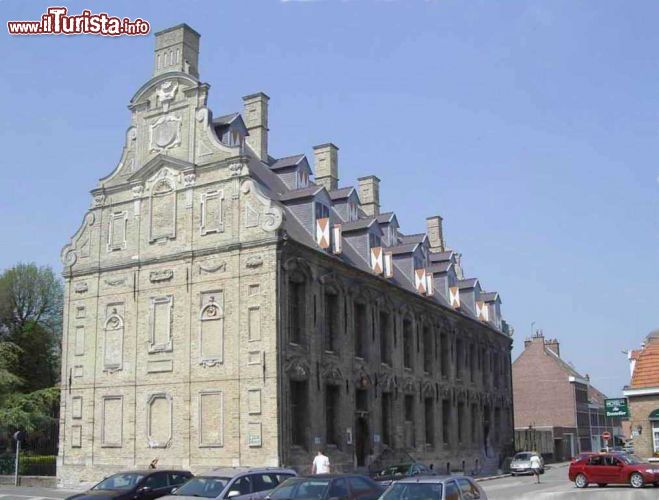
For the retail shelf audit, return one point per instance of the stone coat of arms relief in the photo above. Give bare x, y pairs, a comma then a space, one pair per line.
165, 133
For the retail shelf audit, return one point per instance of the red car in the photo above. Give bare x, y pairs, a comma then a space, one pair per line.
612, 468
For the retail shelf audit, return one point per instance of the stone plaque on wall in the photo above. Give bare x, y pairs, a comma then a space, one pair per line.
163, 211
160, 324
254, 434
211, 328
159, 420
254, 323
211, 419
76, 436
211, 212
254, 401
79, 348
112, 421
113, 343
117, 231
76, 407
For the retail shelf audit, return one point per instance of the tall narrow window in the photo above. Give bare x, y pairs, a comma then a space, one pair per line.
299, 413
361, 400
444, 361
409, 421
474, 421
331, 321
430, 421
461, 423
361, 331
427, 349
497, 423
297, 311
386, 418
459, 354
385, 337
446, 421
408, 341
332, 414
472, 363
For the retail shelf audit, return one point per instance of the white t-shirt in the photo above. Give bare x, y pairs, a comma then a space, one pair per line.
321, 464
535, 462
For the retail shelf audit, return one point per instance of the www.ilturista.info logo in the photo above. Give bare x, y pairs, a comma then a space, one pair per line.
56, 21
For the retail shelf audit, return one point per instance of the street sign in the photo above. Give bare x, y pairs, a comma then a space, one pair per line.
606, 435
616, 407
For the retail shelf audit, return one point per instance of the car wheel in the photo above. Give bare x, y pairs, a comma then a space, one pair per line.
601, 485
636, 480
581, 481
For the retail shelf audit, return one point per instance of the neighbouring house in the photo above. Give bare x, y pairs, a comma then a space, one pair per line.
557, 410
643, 397
224, 307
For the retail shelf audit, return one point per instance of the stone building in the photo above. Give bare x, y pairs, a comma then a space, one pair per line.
224, 307
643, 397
558, 412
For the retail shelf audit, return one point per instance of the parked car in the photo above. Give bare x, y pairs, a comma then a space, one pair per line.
613, 468
326, 486
235, 483
142, 485
395, 472
435, 488
521, 463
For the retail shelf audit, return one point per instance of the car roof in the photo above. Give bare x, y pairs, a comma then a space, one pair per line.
150, 471
332, 476
431, 479
236, 471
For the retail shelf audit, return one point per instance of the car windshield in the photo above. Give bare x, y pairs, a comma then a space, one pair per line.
307, 489
122, 481
413, 491
631, 459
208, 487
396, 470
522, 456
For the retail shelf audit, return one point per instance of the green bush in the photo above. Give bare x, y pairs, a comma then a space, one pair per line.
30, 465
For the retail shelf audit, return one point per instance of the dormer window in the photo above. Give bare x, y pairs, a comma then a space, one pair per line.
353, 211
302, 178
374, 241
321, 211
323, 234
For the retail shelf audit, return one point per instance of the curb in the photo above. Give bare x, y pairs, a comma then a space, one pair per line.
491, 478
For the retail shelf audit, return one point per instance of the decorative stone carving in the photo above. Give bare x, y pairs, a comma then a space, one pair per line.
189, 179
210, 268
73, 250
99, 200
115, 281
165, 133
251, 216
80, 287
113, 342
166, 92
159, 421
297, 368
273, 216
253, 262
332, 374
161, 275
236, 170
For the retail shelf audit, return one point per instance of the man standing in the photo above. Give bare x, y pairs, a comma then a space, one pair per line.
536, 465
321, 464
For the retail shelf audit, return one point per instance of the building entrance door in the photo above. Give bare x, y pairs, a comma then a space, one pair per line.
362, 441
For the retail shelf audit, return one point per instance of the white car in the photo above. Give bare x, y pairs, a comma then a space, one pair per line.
521, 463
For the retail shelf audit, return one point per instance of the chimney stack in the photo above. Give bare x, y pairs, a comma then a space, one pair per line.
369, 194
435, 233
327, 166
255, 114
553, 345
177, 49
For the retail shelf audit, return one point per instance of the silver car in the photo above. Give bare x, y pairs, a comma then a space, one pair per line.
235, 483
435, 488
521, 463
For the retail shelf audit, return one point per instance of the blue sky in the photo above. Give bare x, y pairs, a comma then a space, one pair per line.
531, 127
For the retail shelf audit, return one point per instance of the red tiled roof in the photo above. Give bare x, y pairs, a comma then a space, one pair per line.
646, 371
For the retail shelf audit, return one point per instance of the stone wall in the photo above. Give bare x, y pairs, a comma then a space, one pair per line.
640, 408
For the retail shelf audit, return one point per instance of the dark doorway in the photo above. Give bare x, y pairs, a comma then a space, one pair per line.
486, 429
362, 441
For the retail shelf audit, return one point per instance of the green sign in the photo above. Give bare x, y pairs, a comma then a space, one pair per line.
616, 407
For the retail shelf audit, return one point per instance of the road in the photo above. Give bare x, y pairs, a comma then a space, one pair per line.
554, 484
24, 493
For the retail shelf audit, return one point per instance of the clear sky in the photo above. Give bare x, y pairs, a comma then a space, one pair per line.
531, 127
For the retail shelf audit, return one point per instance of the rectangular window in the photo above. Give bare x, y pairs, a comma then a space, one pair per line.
409, 421
331, 321
386, 418
299, 413
408, 340
374, 241
385, 336
460, 358
446, 421
430, 421
360, 333
297, 311
474, 422
321, 211
497, 424
427, 349
332, 414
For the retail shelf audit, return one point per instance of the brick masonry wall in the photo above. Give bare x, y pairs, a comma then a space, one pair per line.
640, 408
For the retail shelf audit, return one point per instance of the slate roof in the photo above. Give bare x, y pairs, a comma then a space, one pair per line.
225, 119
440, 267
489, 296
341, 193
468, 283
357, 225
301, 193
287, 162
385, 217
403, 248
412, 238
646, 370
441, 256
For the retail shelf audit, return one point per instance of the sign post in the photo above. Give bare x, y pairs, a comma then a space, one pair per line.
18, 437
606, 435
616, 407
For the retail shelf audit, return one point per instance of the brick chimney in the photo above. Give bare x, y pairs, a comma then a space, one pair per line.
327, 166
255, 115
435, 233
177, 49
369, 194
553, 345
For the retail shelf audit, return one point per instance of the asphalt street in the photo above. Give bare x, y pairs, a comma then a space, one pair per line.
554, 484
